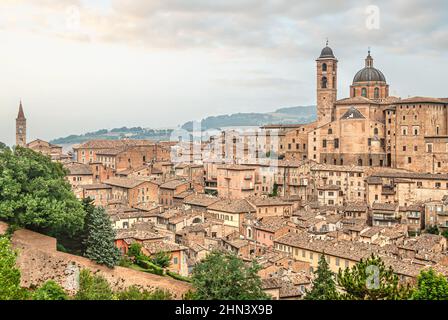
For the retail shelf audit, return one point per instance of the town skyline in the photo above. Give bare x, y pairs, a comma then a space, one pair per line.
65, 78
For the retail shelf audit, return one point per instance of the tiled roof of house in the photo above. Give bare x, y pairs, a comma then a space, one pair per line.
412, 175
200, 199
78, 169
127, 183
384, 206
271, 224
232, 206
96, 186
156, 246
173, 184
268, 201
421, 100
110, 144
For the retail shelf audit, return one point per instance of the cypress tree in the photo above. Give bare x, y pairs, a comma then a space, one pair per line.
324, 286
100, 239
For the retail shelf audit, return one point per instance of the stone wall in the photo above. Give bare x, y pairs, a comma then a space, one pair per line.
39, 261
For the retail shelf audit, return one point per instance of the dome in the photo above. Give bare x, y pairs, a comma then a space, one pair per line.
326, 53
369, 74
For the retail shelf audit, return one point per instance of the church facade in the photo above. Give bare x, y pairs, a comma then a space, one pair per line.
372, 128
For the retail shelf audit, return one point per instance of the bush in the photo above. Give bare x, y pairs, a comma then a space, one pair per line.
177, 276
134, 293
93, 287
150, 267
50, 290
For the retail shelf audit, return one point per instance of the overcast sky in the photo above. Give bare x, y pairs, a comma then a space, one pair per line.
83, 65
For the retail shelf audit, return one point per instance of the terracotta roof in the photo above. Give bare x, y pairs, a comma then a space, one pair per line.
110, 144
173, 184
411, 175
269, 201
78, 169
271, 224
232, 206
200, 199
421, 100
166, 246
384, 206
96, 186
127, 183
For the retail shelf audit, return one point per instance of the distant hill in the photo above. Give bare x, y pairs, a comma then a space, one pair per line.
114, 134
287, 115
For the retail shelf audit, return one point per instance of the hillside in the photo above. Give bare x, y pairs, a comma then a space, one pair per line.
287, 115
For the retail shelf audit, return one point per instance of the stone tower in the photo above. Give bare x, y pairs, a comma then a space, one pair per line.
327, 77
21, 127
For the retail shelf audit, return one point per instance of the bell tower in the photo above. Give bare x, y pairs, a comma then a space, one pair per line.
327, 76
21, 127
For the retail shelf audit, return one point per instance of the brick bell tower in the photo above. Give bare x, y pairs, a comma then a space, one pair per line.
327, 76
21, 128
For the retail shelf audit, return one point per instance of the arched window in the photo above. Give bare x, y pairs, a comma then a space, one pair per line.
330, 131
364, 92
324, 67
324, 82
334, 82
359, 162
354, 92
375, 131
376, 93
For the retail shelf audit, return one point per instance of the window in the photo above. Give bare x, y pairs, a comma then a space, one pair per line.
364, 92
376, 93
175, 260
330, 131
336, 143
429, 147
375, 131
324, 143
404, 148
409, 160
359, 162
324, 67
438, 185
415, 148
324, 83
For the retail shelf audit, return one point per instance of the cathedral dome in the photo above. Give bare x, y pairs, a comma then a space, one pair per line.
369, 73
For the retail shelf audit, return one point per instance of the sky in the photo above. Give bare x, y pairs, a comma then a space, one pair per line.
80, 65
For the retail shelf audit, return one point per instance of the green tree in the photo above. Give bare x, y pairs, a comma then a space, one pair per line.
9, 274
134, 293
50, 290
99, 244
324, 285
370, 279
2, 145
161, 259
431, 286
445, 233
135, 251
223, 276
432, 229
93, 287
34, 194
274, 190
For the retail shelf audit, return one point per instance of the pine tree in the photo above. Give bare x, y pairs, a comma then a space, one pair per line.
100, 239
324, 286
370, 279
